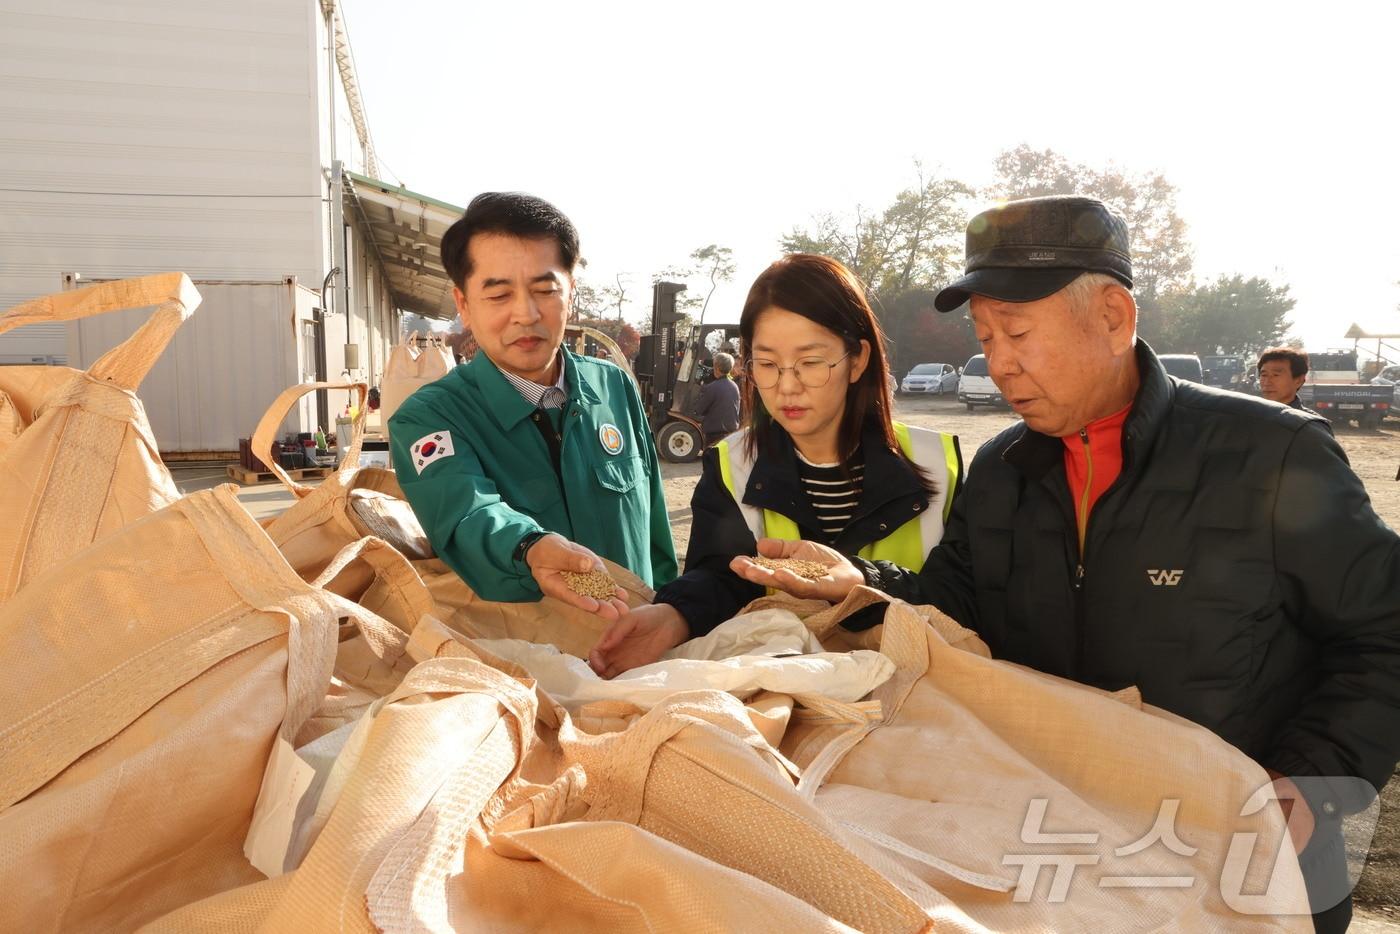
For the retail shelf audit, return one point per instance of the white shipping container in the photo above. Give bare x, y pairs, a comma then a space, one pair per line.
245, 343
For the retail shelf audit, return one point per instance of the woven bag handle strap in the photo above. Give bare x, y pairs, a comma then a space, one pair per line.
408, 890
311, 665
410, 882
174, 296
387, 641
266, 432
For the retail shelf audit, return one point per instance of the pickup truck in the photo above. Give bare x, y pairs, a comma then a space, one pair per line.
1334, 389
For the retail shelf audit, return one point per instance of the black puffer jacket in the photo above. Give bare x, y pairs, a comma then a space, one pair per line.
1234, 571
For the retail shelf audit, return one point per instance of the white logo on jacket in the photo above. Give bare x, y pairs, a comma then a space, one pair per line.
431, 448
1170, 578
610, 438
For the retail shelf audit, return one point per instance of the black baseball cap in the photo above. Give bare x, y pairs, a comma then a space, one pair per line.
1024, 250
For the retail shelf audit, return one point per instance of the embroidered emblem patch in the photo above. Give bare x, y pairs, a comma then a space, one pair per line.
610, 438
430, 448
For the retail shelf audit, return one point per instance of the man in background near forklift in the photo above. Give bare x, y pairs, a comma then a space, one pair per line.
530, 460
718, 405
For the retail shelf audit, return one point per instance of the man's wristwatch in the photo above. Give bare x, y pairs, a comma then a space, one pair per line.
525, 543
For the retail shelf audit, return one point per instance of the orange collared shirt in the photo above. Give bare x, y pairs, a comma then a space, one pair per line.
1093, 460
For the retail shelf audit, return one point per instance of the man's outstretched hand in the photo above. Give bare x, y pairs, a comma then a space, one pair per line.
639, 638
841, 577
549, 557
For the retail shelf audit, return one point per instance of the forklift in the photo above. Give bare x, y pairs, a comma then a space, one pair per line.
670, 372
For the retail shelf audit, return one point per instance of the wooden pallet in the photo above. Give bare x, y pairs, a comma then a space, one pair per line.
241, 474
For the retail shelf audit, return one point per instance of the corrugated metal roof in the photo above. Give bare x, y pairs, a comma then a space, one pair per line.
405, 229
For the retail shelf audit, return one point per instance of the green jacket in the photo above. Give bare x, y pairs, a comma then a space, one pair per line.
479, 475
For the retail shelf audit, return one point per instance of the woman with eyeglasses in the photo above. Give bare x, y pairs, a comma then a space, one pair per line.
820, 458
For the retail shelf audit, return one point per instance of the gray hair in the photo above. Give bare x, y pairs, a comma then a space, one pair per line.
1081, 291
724, 364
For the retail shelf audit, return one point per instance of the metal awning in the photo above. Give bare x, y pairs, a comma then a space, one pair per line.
405, 230
1356, 332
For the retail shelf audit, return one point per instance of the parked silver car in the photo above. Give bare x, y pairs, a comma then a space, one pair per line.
1390, 376
936, 378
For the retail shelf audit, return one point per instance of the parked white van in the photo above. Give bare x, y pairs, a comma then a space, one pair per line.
976, 386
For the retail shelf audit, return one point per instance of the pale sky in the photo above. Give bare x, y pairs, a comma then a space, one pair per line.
660, 127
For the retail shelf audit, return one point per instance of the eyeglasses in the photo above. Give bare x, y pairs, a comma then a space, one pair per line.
812, 372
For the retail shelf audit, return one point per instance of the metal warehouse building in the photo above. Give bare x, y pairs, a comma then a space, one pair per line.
226, 141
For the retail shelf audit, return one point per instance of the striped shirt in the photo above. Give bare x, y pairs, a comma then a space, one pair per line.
541, 397
833, 492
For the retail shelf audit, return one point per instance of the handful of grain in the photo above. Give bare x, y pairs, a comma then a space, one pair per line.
811, 570
596, 584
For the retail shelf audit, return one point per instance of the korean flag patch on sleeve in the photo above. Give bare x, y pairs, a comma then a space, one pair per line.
429, 449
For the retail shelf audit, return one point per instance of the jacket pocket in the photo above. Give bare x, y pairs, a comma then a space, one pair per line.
620, 474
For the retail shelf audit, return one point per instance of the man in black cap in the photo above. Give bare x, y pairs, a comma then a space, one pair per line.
1212, 549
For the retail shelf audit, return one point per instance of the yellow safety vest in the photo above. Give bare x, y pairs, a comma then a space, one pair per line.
908, 545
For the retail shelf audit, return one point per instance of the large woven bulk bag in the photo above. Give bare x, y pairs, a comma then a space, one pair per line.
685, 820
351, 503
435, 830
76, 451
23, 390
371, 654
146, 681
410, 368
355, 501
691, 787
979, 766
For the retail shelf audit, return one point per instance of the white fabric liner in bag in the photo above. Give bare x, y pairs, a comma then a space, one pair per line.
767, 650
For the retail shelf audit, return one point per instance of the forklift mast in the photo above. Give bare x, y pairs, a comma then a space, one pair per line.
657, 363
669, 372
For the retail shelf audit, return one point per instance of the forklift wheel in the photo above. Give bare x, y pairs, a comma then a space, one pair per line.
679, 443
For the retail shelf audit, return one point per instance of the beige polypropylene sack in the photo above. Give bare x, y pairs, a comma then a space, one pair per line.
972, 764
146, 680
410, 368
76, 451
478, 804
371, 654
441, 827
929, 784
355, 501
348, 505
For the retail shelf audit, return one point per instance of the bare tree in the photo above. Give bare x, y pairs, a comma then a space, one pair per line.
716, 263
616, 295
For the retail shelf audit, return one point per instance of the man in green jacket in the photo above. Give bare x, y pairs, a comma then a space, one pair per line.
529, 460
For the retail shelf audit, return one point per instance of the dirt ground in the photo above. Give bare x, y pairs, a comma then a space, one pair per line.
1374, 455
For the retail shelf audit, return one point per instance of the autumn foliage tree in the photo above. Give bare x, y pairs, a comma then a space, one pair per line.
627, 338
907, 250
901, 253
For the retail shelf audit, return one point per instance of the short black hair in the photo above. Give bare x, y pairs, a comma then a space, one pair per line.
507, 212
1297, 360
